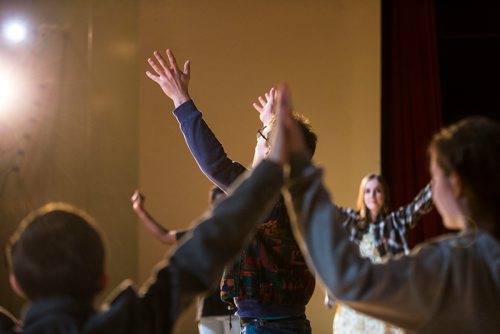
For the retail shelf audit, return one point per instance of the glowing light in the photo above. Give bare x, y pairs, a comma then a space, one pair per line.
15, 31
8, 90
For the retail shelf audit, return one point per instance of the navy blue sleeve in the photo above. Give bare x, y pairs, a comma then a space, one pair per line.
205, 148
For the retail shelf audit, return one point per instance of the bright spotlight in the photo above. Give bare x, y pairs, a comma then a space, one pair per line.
8, 90
15, 31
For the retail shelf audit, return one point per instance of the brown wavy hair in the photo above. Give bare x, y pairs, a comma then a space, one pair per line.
471, 149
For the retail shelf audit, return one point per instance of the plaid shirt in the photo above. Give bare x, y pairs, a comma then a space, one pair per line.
389, 232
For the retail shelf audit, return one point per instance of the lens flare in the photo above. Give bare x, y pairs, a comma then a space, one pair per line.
15, 31
8, 90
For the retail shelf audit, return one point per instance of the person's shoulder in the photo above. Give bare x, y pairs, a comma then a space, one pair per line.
126, 291
489, 251
8, 323
477, 239
471, 248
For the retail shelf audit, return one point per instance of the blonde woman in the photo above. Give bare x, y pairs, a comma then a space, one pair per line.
380, 234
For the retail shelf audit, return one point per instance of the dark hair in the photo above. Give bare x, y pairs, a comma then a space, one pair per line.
309, 136
471, 149
57, 251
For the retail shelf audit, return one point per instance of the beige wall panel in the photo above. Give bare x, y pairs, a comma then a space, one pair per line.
73, 134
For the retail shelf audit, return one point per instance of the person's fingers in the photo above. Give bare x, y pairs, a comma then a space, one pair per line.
262, 101
155, 67
172, 61
163, 63
280, 114
187, 69
285, 118
294, 135
153, 77
285, 98
279, 150
135, 196
257, 107
286, 110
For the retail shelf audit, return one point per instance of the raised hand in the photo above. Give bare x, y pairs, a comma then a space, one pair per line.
170, 78
265, 106
279, 142
161, 233
294, 135
137, 200
286, 136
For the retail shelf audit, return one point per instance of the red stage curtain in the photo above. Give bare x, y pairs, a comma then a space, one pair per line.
411, 102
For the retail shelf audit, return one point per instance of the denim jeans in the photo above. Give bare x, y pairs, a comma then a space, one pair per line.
281, 326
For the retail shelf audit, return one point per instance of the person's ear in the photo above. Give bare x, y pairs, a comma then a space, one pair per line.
456, 185
16, 286
102, 283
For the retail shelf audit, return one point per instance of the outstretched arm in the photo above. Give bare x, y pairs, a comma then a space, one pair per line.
396, 224
164, 235
170, 78
406, 217
202, 143
396, 291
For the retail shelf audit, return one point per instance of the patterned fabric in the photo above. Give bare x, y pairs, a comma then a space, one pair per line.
282, 326
368, 248
389, 232
349, 321
272, 269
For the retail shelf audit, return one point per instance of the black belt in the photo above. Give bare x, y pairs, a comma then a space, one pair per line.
245, 320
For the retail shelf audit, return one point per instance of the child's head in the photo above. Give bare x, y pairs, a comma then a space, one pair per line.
263, 145
310, 137
57, 251
467, 153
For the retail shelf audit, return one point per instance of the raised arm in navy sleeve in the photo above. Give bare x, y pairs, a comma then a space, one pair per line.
205, 148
